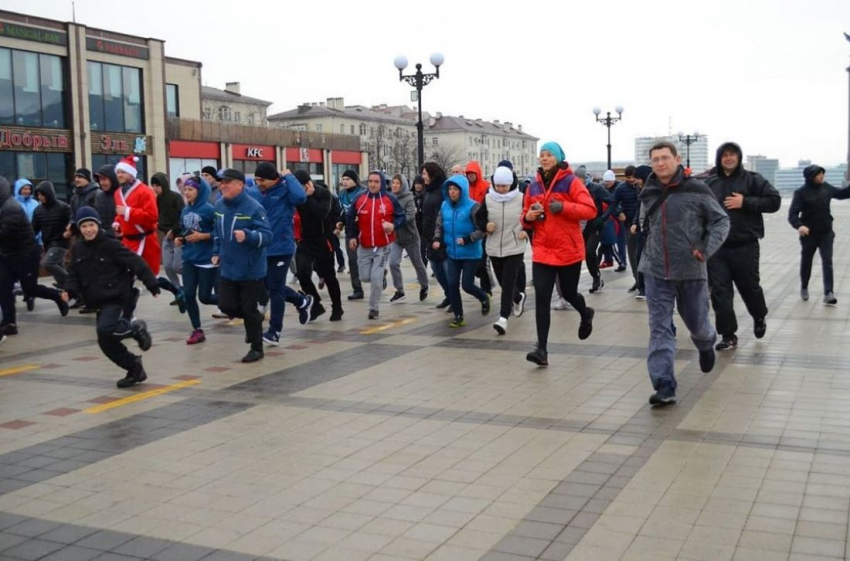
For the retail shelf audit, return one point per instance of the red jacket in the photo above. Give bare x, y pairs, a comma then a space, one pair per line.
137, 225
477, 190
367, 214
557, 237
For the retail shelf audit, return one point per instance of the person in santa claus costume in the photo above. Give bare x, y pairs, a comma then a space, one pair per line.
136, 214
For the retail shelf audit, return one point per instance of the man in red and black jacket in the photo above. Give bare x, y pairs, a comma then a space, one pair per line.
315, 221
372, 220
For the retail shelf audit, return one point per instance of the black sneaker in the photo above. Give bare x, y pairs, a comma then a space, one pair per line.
706, 360
538, 356
271, 338
252, 356
30, 304
340, 269
8, 328
829, 299
598, 284
444, 304
87, 310
78, 303
729, 343
641, 295
397, 297
423, 294
136, 375
63, 307
316, 310
373, 314
355, 296
664, 396
485, 306
620, 269
304, 310
759, 328
585, 328
634, 288
141, 335
336, 314
804, 294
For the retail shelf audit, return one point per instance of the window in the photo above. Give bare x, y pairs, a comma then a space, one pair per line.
371, 131
115, 98
363, 130
435, 141
237, 117
179, 166
37, 167
250, 118
32, 89
224, 113
319, 128
352, 129
342, 129
172, 101
208, 113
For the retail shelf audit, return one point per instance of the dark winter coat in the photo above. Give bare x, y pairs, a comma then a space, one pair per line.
169, 204
432, 202
103, 270
746, 223
104, 201
16, 235
316, 215
83, 197
811, 202
51, 218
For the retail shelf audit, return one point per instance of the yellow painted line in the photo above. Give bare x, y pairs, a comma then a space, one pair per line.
18, 369
236, 321
141, 396
384, 327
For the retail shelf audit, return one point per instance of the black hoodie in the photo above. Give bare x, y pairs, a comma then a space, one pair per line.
810, 205
16, 235
169, 204
104, 201
746, 223
51, 218
432, 201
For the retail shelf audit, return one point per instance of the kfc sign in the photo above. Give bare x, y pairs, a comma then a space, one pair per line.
254, 153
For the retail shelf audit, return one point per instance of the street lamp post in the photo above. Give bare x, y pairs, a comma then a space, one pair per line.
419, 81
608, 121
687, 140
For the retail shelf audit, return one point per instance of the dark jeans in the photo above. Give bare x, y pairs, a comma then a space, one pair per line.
632, 242
441, 273
198, 284
641, 240
112, 328
591, 245
462, 272
545, 277
423, 249
241, 299
738, 265
810, 244
54, 263
279, 293
510, 272
23, 268
482, 272
320, 257
353, 271
340, 256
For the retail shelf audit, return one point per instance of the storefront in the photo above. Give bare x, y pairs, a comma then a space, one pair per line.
37, 155
191, 157
310, 160
341, 161
247, 156
111, 148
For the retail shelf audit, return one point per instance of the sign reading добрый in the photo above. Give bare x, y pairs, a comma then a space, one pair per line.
36, 34
35, 140
113, 48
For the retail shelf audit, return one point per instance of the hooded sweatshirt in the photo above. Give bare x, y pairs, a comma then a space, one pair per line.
346, 199
104, 201
811, 202
51, 218
479, 189
505, 211
28, 202
369, 211
169, 205
457, 219
243, 261
16, 235
280, 202
83, 196
198, 216
746, 223
407, 234
432, 202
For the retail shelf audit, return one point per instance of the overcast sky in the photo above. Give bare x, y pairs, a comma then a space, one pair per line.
769, 74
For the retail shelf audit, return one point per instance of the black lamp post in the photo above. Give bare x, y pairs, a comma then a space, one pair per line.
608, 121
419, 81
687, 140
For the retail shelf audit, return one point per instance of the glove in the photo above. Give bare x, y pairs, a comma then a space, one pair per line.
556, 206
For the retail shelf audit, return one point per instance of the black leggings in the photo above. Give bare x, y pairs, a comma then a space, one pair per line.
510, 272
544, 284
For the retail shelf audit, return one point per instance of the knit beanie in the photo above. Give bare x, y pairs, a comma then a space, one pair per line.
210, 171
84, 173
555, 149
503, 176
352, 175
86, 214
302, 176
266, 170
506, 164
642, 172
609, 175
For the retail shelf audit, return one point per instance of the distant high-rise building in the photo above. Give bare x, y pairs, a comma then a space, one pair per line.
699, 150
788, 179
764, 166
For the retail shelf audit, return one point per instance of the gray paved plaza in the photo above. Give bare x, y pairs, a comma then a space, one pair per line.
404, 439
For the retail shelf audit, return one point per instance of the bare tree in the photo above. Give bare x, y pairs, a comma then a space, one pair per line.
405, 154
447, 155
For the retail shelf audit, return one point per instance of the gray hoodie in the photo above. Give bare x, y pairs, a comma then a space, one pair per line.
690, 218
407, 234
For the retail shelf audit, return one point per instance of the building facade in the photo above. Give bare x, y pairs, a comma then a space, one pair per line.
764, 166
700, 160
230, 106
788, 179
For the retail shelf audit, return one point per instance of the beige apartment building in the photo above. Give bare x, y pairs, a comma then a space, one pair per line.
230, 106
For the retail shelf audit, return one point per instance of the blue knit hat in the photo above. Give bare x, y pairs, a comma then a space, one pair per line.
506, 164
86, 214
555, 149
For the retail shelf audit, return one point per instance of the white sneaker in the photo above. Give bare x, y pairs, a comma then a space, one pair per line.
562, 305
501, 326
2, 339
519, 307
218, 314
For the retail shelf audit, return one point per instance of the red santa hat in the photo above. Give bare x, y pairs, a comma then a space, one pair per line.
128, 165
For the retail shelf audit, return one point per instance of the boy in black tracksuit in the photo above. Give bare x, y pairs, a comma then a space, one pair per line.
102, 270
809, 214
